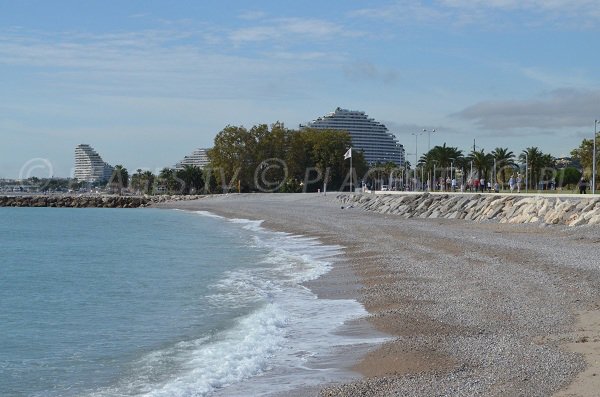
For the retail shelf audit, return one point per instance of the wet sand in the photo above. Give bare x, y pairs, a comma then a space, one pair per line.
473, 308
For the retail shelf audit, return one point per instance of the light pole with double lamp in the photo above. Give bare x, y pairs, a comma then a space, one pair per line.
429, 132
416, 134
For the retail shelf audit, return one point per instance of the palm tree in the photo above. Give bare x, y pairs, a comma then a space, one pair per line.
119, 179
482, 162
443, 157
191, 177
148, 178
167, 179
537, 163
504, 159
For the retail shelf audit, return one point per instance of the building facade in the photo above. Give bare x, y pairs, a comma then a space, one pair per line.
369, 136
89, 166
198, 158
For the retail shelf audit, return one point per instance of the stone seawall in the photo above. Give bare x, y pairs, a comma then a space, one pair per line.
89, 201
571, 211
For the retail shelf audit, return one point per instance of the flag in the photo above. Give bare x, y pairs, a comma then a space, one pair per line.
348, 154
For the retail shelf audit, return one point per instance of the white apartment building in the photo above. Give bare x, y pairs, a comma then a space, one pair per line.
89, 166
368, 135
198, 158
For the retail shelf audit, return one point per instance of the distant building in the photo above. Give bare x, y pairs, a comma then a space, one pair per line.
564, 162
368, 135
89, 166
198, 158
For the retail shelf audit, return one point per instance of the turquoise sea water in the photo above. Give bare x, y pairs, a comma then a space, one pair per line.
146, 302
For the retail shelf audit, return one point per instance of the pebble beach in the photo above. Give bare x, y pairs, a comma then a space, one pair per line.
471, 308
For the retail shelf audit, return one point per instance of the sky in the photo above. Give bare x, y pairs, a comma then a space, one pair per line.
147, 82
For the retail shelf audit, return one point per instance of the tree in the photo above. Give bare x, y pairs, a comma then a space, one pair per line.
148, 178
233, 156
537, 163
191, 177
505, 160
168, 181
584, 154
567, 177
442, 158
277, 159
119, 179
483, 163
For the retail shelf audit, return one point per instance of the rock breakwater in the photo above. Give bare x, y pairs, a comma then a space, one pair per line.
83, 201
570, 211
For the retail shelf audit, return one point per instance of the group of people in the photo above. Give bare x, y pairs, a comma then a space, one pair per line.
480, 185
515, 184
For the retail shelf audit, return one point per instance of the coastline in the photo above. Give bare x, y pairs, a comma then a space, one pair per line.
473, 306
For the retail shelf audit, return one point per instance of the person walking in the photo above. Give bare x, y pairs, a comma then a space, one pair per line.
511, 184
518, 183
582, 186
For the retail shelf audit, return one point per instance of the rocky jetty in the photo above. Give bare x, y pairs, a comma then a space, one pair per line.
570, 211
89, 201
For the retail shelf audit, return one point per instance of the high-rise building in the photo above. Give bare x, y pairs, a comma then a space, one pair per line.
369, 136
89, 166
198, 158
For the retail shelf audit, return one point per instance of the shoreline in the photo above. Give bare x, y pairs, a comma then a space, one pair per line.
339, 283
466, 346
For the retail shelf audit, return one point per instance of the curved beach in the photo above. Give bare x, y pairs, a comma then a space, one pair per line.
472, 308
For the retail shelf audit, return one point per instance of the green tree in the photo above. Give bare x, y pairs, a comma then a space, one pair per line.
277, 159
568, 177
538, 164
167, 180
584, 154
505, 161
119, 179
192, 178
482, 162
442, 158
148, 178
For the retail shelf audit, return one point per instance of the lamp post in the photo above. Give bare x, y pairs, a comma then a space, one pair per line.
594, 157
416, 134
451, 171
429, 132
526, 172
494, 176
434, 180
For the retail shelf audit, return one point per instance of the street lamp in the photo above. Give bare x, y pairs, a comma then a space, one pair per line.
434, 180
429, 132
416, 134
594, 158
526, 172
451, 170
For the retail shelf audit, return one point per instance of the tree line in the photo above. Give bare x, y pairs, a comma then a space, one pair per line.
538, 169
273, 158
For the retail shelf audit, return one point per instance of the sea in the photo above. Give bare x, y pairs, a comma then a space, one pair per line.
153, 302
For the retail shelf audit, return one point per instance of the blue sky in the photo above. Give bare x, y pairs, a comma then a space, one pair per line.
146, 82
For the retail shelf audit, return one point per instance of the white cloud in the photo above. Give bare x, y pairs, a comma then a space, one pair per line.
579, 14
291, 30
171, 63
